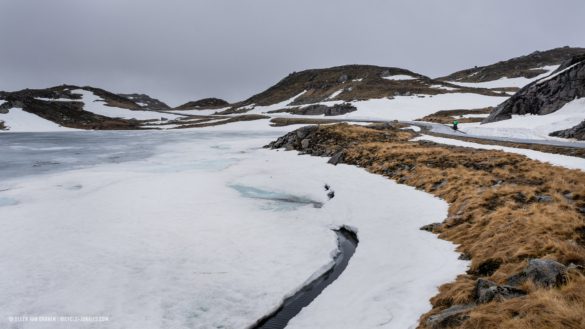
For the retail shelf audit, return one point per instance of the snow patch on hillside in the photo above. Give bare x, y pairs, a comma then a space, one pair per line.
95, 104
507, 82
399, 77
17, 120
531, 126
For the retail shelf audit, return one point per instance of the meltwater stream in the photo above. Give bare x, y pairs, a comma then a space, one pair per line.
291, 306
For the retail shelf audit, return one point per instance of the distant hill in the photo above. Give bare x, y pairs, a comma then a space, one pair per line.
528, 66
350, 83
146, 102
205, 103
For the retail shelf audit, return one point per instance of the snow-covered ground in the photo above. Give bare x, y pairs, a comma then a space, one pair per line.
508, 82
531, 126
176, 240
95, 104
399, 77
554, 159
398, 108
17, 120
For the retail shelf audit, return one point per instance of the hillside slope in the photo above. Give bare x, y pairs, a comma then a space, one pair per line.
528, 66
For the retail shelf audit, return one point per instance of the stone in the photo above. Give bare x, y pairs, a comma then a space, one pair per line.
336, 158
544, 198
487, 291
450, 317
431, 227
305, 143
543, 272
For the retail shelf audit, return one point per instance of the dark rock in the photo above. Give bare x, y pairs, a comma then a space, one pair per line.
543, 272
337, 158
343, 78
438, 185
520, 197
488, 267
546, 96
331, 195
293, 140
577, 132
451, 317
464, 256
304, 131
203, 103
431, 227
146, 102
318, 109
544, 198
327, 187
487, 291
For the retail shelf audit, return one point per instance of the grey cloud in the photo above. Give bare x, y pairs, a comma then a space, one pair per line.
181, 50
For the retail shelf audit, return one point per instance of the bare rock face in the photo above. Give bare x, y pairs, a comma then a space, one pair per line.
577, 132
546, 95
319, 109
203, 104
451, 317
295, 140
543, 272
487, 291
147, 102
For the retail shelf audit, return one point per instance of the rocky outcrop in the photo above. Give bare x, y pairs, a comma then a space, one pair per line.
487, 291
543, 272
546, 95
319, 109
451, 317
296, 140
204, 103
147, 102
577, 132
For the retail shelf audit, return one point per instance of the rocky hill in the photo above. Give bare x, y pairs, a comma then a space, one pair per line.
146, 102
547, 96
350, 83
205, 103
528, 66
84, 107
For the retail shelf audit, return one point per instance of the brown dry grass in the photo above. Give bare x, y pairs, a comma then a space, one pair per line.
494, 216
448, 116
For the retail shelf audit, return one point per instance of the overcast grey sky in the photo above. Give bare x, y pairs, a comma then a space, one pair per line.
179, 50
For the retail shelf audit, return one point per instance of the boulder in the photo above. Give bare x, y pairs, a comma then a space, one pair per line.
487, 291
336, 158
451, 317
431, 227
543, 272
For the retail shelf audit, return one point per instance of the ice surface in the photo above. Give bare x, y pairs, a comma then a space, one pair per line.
165, 241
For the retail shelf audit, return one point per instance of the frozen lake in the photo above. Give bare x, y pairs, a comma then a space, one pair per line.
204, 229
